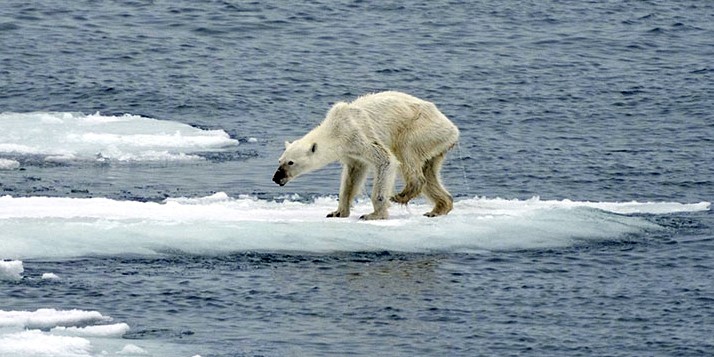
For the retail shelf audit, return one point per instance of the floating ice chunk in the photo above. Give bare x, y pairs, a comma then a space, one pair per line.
50, 276
62, 137
49, 318
6, 164
132, 350
11, 270
115, 330
252, 140
38, 343
75, 333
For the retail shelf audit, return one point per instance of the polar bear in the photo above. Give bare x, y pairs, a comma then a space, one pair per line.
380, 132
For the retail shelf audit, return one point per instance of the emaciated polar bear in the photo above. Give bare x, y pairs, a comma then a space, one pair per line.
378, 132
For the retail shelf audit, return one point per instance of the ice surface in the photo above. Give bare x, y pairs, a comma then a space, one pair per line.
20, 334
37, 343
74, 136
11, 270
76, 333
37, 227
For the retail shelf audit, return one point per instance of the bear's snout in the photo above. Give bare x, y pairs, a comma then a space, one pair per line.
280, 177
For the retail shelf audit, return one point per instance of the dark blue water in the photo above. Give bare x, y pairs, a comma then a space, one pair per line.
599, 101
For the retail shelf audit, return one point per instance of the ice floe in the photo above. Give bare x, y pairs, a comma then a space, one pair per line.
65, 137
38, 227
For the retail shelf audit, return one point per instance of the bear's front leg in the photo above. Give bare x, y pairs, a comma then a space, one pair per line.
383, 184
379, 212
353, 175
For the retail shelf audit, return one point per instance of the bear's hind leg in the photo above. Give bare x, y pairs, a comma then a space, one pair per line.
434, 190
414, 181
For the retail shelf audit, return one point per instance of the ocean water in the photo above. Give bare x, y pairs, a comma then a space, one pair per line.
138, 217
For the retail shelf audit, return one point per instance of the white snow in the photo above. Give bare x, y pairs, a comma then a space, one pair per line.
65, 137
219, 223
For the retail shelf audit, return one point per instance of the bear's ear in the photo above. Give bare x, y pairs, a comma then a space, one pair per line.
287, 143
313, 148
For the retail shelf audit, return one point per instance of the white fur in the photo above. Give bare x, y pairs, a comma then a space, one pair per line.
383, 133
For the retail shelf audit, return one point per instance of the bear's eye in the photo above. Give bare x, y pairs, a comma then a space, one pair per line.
290, 163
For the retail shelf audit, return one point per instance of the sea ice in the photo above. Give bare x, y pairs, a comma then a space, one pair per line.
49, 318
63, 137
11, 270
132, 350
50, 276
38, 343
6, 164
114, 330
21, 334
219, 224
75, 333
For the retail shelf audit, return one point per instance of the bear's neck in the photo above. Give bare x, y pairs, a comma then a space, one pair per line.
328, 142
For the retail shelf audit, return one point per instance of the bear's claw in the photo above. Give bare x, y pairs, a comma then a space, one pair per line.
337, 214
400, 199
372, 216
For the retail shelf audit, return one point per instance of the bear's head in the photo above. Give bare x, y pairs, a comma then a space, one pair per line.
300, 156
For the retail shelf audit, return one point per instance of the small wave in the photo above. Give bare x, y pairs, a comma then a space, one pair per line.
221, 224
8, 26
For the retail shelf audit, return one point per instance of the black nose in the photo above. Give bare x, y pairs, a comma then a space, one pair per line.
279, 177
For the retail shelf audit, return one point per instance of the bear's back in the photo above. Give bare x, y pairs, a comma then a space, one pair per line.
390, 109
400, 120
386, 101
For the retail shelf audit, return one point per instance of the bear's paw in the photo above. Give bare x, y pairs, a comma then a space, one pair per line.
338, 214
373, 216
